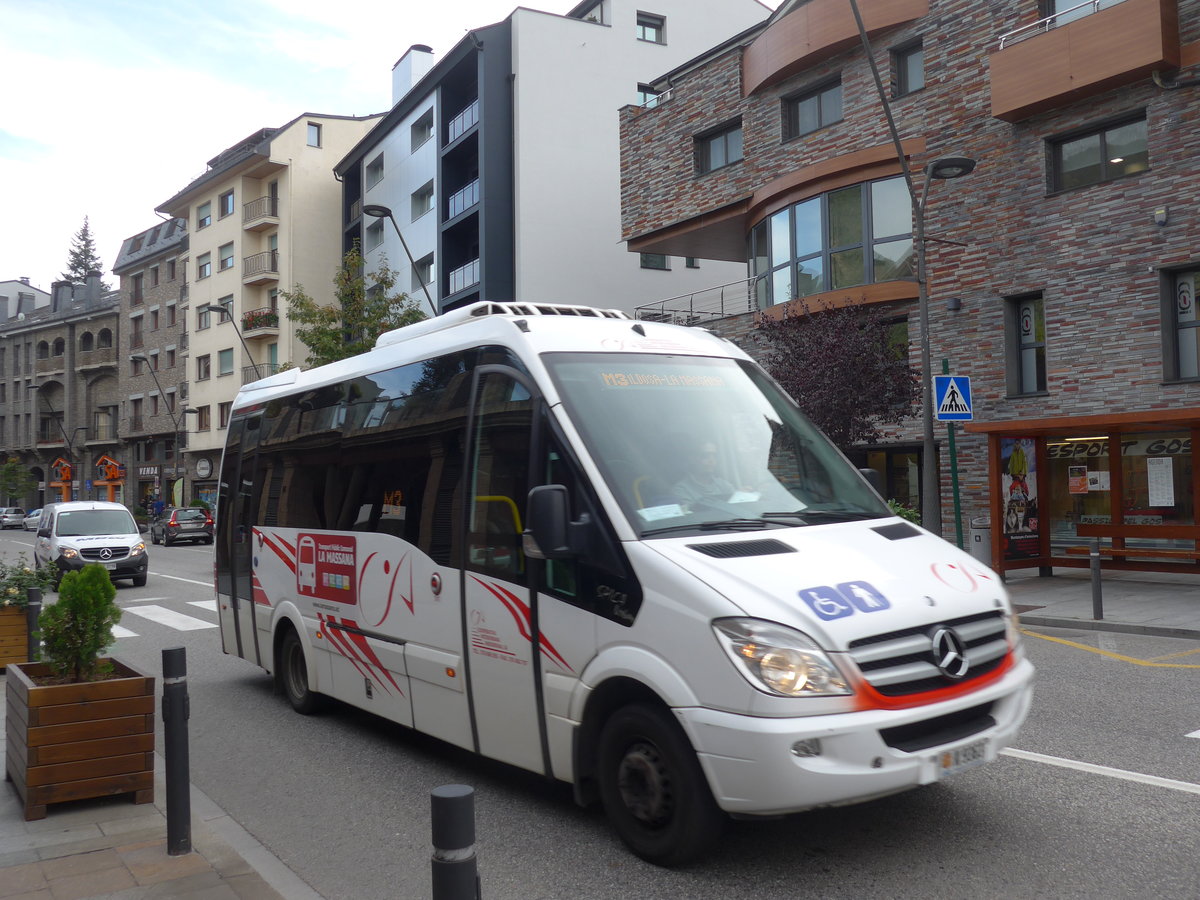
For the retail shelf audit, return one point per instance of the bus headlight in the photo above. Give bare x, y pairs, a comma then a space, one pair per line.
783, 660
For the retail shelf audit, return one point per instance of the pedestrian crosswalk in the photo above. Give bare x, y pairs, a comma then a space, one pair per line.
161, 615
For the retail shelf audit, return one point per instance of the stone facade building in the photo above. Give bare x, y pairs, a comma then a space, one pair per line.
1061, 271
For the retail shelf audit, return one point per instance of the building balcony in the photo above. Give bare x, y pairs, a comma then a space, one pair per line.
253, 373
462, 200
260, 214
261, 268
814, 32
101, 357
262, 324
137, 425
51, 365
466, 119
1081, 52
464, 277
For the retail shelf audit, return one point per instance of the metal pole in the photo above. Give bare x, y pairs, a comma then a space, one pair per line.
958, 529
33, 612
452, 810
1097, 597
176, 710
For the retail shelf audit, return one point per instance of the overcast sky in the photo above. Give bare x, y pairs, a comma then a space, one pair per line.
110, 107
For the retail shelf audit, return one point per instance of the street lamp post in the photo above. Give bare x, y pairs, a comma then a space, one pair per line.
226, 314
176, 420
383, 212
68, 494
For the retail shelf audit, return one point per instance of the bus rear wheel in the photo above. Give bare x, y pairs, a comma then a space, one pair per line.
293, 674
653, 789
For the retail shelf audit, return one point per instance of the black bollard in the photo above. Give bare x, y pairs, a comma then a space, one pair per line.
452, 809
1097, 594
175, 711
33, 612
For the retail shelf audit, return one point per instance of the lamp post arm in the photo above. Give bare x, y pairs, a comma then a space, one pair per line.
412, 262
226, 314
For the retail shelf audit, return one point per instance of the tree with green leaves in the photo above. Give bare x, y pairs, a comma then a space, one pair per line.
16, 481
846, 367
356, 317
83, 257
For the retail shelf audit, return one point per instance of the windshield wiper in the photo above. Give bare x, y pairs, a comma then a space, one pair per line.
824, 515
725, 525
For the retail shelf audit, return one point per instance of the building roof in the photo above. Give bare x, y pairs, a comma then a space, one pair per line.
161, 238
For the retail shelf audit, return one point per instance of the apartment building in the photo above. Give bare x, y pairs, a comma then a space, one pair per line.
18, 296
1061, 271
263, 218
499, 162
58, 390
151, 269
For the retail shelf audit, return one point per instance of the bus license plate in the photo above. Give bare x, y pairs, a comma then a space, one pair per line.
951, 762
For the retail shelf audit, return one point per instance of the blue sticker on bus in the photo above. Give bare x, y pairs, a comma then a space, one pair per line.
864, 596
827, 602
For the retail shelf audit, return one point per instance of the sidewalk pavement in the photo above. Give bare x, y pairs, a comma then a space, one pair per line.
111, 848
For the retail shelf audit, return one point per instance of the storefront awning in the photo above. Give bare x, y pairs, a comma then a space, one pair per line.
1104, 423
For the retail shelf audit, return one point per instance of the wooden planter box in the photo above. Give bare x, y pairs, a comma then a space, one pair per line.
77, 741
13, 637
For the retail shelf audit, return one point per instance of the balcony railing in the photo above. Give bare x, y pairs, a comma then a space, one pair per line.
103, 429
261, 266
463, 121
256, 213
262, 370
356, 209
461, 201
137, 424
1059, 18
732, 299
255, 319
464, 276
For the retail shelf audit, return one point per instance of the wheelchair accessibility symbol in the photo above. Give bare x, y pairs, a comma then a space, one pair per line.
831, 603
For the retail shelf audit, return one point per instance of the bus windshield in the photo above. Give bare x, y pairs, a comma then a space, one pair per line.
694, 444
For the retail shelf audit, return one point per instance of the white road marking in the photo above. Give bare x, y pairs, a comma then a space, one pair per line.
1195, 734
210, 605
170, 618
119, 632
1123, 774
177, 578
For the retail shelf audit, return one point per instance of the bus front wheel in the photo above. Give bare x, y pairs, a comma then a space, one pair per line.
653, 789
293, 673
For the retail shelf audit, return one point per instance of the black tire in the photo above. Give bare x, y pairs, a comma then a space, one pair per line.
139, 580
208, 540
653, 789
153, 537
166, 541
293, 676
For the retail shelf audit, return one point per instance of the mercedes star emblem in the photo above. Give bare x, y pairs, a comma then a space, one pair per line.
106, 553
950, 653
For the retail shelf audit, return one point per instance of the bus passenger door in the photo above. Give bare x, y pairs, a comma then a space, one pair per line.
235, 525
500, 631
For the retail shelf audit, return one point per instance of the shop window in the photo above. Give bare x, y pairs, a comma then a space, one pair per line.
1025, 324
1078, 485
1156, 479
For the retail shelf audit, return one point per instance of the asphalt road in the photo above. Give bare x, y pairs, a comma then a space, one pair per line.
342, 798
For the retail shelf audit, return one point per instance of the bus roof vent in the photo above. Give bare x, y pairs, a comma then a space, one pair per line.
492, 308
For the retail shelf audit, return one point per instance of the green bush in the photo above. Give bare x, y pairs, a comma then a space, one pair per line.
78, 627
905, 512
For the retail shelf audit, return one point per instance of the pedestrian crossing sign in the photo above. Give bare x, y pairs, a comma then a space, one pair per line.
952, 398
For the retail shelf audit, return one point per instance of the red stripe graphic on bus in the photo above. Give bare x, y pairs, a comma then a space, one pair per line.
519, 610
408, 600
354, 647
287, 553
260, 596
337, 640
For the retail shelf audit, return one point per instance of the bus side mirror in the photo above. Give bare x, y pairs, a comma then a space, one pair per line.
873, 479
547, 523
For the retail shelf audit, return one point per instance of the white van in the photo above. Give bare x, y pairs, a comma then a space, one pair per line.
77, 532
611, 552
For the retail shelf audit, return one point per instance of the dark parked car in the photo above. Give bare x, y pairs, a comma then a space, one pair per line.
184, 524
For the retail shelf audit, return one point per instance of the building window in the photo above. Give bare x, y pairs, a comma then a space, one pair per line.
223, 411
908, 69
374, 234
170, 314
224, 309
647, 96
423, 273
719, 148
422, 130
651, 28
859, 234
691, 262
154, 320
203, 266
1181, 310
314, 134
170, 357
225, 361
225, 205
656, 261
375, 171
812, 110
154, 404
1102, 154
203, 317
170, 270
1026, 327
203, 418
137, 292
422, 200
225, 256
203, 215
154, 276
136, 332
203, 367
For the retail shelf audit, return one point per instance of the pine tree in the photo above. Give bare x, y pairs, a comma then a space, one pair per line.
83, 257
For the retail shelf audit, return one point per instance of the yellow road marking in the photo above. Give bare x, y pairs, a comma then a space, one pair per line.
1129, 659
1176, 655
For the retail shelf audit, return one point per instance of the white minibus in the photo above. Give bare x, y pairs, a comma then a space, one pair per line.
612, 552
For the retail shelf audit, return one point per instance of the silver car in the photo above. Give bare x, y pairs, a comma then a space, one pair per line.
31, 520
12, 517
